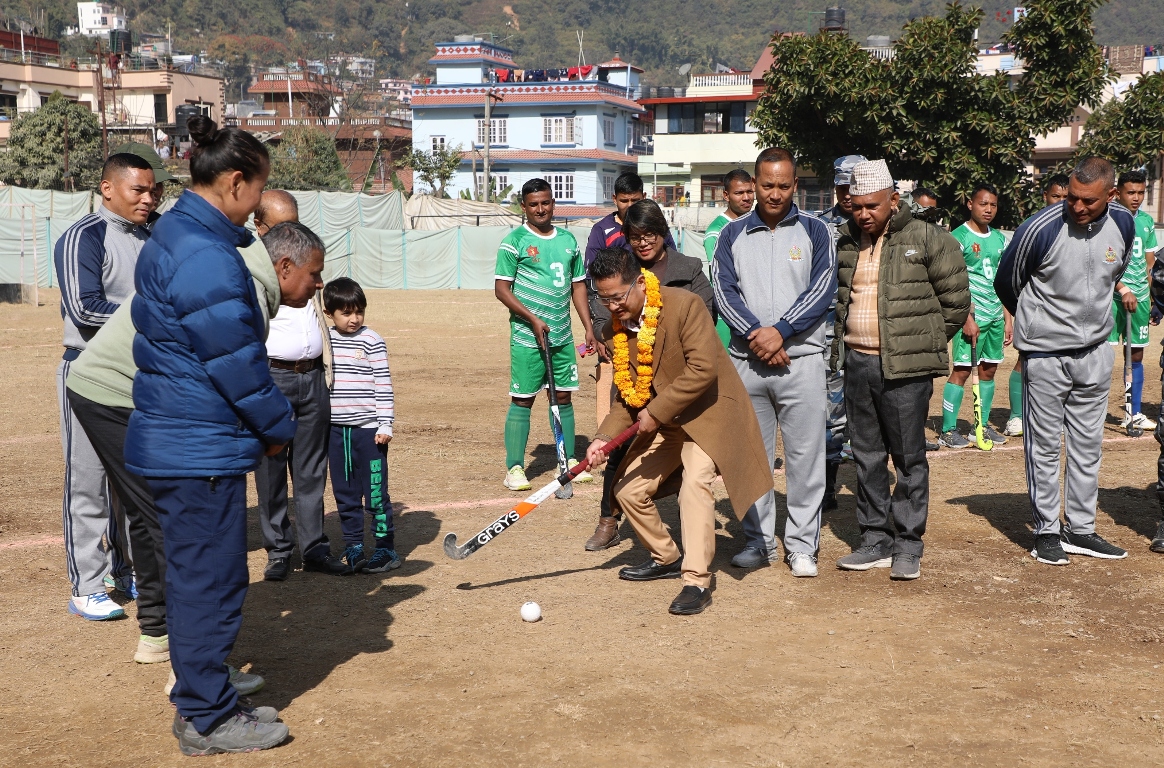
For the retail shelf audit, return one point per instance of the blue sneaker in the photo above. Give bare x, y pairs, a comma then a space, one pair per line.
383, 560
355, 558
95, 607
126, 585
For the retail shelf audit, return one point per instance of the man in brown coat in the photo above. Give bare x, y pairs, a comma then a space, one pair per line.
698, 417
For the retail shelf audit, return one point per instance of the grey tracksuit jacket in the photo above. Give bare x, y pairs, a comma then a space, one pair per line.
1057, 277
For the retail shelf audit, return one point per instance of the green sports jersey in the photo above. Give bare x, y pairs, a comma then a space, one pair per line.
543, 270
1136, 275
982, 254
711, 236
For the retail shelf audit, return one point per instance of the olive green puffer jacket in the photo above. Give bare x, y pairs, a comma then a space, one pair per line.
923, 295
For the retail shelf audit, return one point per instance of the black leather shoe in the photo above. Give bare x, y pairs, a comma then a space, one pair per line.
650, 570
277, 569
327, 564
691, 600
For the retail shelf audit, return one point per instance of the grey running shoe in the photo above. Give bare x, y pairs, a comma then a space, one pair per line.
1049, 550
953, 439
750, 557
240, 733
265, 715
992, 435
244, 682
906, 567
931, 446
1157, 544
1092, 545
864, 558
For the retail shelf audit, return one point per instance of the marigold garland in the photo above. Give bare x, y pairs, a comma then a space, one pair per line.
637, 394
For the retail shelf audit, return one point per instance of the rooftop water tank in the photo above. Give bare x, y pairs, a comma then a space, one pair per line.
834, 19
877, 41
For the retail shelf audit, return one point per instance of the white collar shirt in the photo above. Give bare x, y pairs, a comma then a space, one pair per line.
295, 334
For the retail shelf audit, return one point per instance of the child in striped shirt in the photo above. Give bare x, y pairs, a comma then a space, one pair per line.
361, 428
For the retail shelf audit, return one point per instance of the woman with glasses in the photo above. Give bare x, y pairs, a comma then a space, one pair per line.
646, 231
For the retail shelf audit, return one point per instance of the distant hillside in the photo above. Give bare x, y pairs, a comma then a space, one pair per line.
659, 35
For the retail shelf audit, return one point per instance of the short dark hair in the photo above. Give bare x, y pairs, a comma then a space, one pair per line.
1057, 180
774, 155
645, 216
615, 262
739, 174
533, 186
223, 150
982, 186
292, 240
628, 183
922, 192
343, 294
1092, 169
1132, 177
122, 162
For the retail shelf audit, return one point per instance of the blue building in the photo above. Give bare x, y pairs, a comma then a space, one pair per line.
577, 128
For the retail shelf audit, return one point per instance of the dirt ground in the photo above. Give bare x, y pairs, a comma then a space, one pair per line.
989, 659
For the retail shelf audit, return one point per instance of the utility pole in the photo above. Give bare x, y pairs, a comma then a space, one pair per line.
68, 181
489, 98
101, 101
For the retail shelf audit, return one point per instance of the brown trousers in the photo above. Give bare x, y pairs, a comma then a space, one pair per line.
603, 376
670, 449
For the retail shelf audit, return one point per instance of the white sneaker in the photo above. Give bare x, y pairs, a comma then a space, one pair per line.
152, 650
583, 477
803, 566
96, 607
1139, 421
515, 479
1014, 427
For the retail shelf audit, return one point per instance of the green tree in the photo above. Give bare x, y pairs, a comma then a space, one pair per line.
1129, 130
927, 111
35, 154
306, 158
434, 168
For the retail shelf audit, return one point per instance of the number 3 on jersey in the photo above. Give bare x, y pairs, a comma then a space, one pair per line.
559, 271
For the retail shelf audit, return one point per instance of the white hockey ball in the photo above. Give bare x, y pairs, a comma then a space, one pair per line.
531, 612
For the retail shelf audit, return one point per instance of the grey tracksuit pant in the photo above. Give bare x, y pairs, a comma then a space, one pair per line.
887, 418
96, 536
1065, 394
792, 398
306, 457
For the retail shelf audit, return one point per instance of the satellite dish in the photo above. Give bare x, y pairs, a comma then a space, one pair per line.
683, 70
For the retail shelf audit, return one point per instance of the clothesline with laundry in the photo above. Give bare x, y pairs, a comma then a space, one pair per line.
502, 75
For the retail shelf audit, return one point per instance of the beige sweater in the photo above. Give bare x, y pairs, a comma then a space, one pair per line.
862, 331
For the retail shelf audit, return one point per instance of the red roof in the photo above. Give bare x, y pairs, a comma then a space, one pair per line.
617, 63
555, 155
278, 84
575, 92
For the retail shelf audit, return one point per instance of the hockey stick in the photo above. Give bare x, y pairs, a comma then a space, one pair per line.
567, 490
1132, 429
499, 525
980, 438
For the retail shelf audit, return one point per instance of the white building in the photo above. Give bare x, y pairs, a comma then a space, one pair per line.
98, 19
398, 90
575, 127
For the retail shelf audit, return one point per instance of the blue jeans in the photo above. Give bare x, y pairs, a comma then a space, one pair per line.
204, 521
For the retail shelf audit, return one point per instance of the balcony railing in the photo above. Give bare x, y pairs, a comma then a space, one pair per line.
881, 52
721, 80
319, 122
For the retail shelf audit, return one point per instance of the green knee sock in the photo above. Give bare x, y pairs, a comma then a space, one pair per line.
516, 435
986, 389
1016, 394
951, 404
567, 413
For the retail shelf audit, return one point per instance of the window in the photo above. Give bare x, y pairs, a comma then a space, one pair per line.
498, 182
438, 143
498, 131
561, 130
607, 187
811, 195
161, 108
562, 184
608, 130
708, 117
711, 189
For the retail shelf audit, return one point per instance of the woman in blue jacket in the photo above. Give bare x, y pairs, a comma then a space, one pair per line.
205, 410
